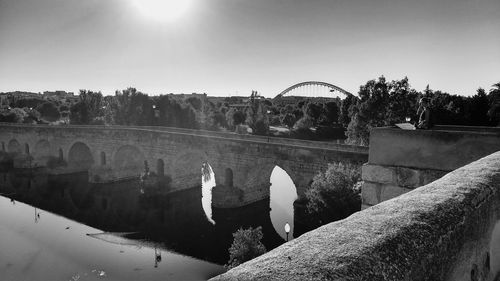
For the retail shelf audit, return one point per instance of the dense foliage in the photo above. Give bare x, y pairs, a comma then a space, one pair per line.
378, 103
246, 246
383, 103
334, 194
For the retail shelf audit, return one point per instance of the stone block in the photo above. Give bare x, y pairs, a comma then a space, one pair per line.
364, 206
400, 176
429, 176
376, 173
407, 177
370, 193
391, 191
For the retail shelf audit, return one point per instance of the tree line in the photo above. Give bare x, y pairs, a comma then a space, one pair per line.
378, 103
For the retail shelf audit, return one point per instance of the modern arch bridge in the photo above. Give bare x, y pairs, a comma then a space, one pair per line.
242, 164
312, 87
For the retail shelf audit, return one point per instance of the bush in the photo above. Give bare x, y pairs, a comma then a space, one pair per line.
246, 246
14, 115
261, 128
329, 132
288, 120
304, 123
334, 194
49, 111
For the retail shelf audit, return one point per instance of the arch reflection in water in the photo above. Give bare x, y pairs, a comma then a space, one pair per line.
282, 195
207, 184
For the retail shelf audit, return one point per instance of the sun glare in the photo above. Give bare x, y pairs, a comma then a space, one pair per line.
162, 10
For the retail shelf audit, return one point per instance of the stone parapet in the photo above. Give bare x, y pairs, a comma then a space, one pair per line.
381, 183
447, 230
116, 153
402, 160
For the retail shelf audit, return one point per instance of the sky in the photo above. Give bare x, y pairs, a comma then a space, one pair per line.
231, 47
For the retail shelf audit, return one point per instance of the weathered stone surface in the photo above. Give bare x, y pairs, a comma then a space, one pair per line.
408, 177
377, 173
441, 231
436, 149
370, 193
365, 206
390, 191
400, 176
116, 153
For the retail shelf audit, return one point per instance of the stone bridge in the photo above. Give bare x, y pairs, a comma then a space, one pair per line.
242, 164
448, 229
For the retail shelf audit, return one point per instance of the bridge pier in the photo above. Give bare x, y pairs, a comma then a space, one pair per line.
242, 163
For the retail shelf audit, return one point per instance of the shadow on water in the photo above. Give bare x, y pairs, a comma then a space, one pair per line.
176, 220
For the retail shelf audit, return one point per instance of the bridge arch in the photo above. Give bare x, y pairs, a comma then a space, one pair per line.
313, 83
80, 156
14, 147
129, 159
287, 167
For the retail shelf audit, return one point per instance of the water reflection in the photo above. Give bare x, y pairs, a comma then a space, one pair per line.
173, 221
282, 195
59, 244
207, 184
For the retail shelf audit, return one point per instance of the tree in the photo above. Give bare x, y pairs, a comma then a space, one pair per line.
303, 123
132, 107
333, 194
380, 104
195, 102
261, 127
49, 111
494, 101
313, 111
288, 120
234, 118
14, 115
175, 114
88, 109
257, 117
476, 112
346, 106
32, 116
330, 112
246, 246
403, 102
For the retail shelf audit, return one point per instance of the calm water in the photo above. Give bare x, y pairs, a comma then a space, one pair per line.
62, 228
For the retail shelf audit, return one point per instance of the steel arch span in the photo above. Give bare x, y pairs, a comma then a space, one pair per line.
313, 83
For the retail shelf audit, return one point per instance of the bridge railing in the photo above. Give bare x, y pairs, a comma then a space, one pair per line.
224, 135
446, 230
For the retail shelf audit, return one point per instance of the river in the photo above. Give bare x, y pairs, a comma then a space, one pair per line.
63, 228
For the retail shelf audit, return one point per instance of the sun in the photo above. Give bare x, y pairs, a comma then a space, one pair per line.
162, 10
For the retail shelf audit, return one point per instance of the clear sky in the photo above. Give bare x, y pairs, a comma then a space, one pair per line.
227, 47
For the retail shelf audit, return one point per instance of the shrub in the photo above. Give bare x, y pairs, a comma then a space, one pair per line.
334, 194
49, 111
14, 115
246, 246
261, 127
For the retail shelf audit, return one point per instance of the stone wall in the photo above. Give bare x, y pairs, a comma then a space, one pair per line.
116, 153
402, 160
446, 230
